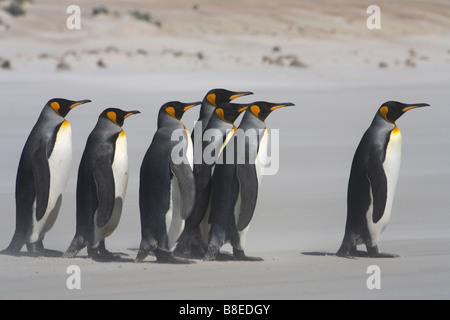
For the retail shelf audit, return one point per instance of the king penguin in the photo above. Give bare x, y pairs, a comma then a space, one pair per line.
42, 176
216, 135
213, 98
373, 180
235, 185
167, 185
102, 184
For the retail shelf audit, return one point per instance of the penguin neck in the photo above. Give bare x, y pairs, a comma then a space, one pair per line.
250, 121
380, 122
106, 125
206, 110
165, 120
48, 115
217, 123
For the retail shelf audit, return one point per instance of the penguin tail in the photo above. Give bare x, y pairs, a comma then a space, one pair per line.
144, 249
17, 242
77, 244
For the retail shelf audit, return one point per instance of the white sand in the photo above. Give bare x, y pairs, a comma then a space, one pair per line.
301, 211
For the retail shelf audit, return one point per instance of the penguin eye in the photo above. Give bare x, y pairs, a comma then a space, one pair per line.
255, 110
171, 112
112, 116
55, 106
212, 99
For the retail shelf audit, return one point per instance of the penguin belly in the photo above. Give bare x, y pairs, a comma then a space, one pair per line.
391, 168
60, 162
174, 222
262, 158
120, 173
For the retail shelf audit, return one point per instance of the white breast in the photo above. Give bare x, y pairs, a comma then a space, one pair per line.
60, 162
174, 221
190, 150
391, 167
120, 166
120, 173
262, 160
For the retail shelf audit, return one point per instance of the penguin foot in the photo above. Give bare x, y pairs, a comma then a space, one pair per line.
168, 257
102, 255
145, 248
10, 252
345, 255
36, 249
70, 253
374, 252
383, 255
240, 256
211, 254
142, 254
194, 252
78, 243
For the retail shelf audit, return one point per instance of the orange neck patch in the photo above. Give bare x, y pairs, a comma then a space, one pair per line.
396, 130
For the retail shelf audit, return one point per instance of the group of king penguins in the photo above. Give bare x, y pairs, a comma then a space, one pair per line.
188, 209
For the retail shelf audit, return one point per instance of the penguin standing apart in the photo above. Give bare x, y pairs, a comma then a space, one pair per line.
373, 180
216, 135
235, 185
102, 185
167, 185
42, 176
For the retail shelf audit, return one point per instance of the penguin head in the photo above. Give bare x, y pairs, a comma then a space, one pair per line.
393, 110
63, 106
262, 109
217, 97
229, 112
117, 116
176, 109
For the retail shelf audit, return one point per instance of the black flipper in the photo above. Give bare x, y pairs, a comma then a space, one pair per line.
248, 182
104, 179
41, 173
378, 181
186, 182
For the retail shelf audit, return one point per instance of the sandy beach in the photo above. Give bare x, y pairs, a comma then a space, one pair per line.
320, 57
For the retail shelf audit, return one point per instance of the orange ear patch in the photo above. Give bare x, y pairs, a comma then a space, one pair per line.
384, 111
170, 111
55, 106
212, 99
219, 112
112, 116
255, 110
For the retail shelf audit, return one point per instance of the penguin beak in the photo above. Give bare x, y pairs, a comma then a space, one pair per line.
242, 109
130, 113
79, 103
415, 106
191, 105
240, 94
282, 105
